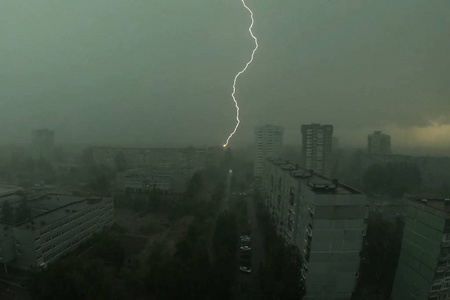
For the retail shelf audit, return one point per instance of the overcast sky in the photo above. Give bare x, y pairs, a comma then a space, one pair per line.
159, 72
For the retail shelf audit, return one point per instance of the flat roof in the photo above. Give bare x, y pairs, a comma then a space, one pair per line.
6, 190
316, 182
55, 207
440, 204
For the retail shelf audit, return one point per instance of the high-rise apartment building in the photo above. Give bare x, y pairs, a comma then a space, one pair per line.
379, 143
324, 219
317, 143
268, 144
423, 271
42, 142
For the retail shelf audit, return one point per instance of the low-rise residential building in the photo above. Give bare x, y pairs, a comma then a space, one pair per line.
324, 219
166, 159
58, 224
144, 179
423, 271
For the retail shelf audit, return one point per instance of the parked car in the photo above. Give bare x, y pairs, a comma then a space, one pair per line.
245, 269
246, 248
245, 238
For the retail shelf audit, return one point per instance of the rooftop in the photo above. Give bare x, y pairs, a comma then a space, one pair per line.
317, 183
439, 204
6, 190
53, 207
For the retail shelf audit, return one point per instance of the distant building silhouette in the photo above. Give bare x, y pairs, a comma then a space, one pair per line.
423, 270
317, 143
434, 171
269, 144
165, 159
379, 143
42, 142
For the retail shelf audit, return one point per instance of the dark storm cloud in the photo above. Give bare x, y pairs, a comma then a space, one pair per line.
160, 72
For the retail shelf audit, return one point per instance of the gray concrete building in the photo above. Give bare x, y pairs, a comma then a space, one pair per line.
324, 219
268, 144
317, 141
165, 159
58, 224
379, 143
423, 271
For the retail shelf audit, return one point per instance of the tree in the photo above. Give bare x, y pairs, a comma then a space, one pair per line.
392, 179
7, 212
195, 185
379, 258
73, 278
23, 211
279, 275
154, 200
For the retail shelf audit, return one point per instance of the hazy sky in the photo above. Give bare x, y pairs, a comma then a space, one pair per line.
159, 72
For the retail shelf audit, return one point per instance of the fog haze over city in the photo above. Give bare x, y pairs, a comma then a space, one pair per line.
122, 175
160, 72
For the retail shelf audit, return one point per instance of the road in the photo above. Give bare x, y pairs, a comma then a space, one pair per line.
245, 281
223, 206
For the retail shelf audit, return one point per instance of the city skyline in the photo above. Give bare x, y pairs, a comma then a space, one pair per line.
318, 63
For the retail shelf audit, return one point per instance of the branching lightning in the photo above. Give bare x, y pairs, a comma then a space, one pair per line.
238, 74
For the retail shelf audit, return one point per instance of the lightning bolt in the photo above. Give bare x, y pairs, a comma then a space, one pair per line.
243, 70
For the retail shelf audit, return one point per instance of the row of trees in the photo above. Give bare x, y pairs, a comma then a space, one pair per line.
279, 275
90, 276
185, 274
15, 215
380, 256
392, 179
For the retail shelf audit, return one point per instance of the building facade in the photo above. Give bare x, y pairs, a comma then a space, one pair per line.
59, 223
324, 219
268, 144
317, 143
423, 271
379, 143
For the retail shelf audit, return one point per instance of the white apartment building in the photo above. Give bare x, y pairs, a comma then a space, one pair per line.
324, 219
59, 223
268, 144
